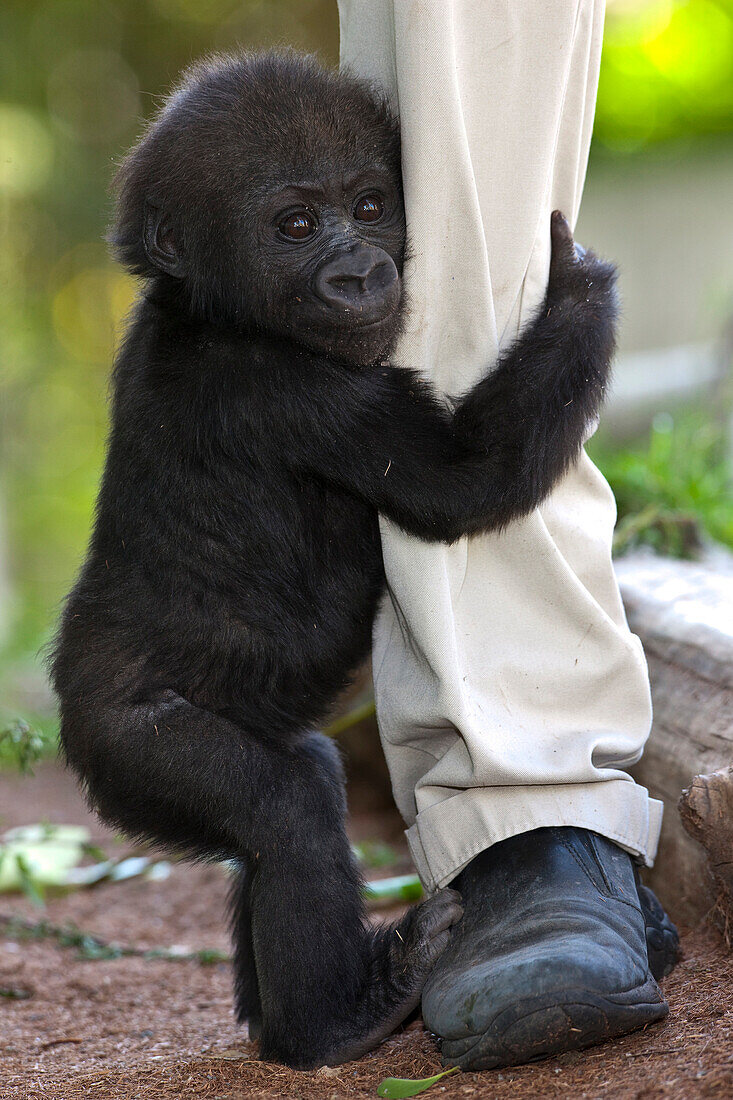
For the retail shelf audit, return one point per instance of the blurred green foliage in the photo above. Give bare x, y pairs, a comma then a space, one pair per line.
78, 77
667, 72
672, 488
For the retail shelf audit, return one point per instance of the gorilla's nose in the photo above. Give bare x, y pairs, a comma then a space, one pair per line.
363, 282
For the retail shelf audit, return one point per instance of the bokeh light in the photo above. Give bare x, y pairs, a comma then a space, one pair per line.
93, 95
87, 310
667, 72
26, 150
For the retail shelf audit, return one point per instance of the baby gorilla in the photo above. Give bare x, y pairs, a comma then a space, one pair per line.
235, 566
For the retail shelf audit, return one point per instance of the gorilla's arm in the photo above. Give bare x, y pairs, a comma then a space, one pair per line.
384, 435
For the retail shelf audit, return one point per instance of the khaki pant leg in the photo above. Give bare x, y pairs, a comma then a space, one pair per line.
510, 691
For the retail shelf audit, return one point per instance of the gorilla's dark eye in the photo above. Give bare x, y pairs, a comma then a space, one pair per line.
369, 208
298, 226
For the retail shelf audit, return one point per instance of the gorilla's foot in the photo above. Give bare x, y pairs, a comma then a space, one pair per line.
662, 939
405, 954
551, 954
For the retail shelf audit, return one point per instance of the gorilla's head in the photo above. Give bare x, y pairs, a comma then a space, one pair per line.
267, 195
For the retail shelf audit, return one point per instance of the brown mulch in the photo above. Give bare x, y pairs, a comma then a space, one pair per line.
138, 1029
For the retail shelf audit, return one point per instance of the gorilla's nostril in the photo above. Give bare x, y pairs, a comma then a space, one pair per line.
346, 284
380, 277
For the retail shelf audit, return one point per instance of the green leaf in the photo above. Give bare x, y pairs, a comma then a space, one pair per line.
39, 855
374, 853
26, 744
15, 993
346, 721
32, 889
93, 851
398, 888
397, 1087
210, 956
93, 950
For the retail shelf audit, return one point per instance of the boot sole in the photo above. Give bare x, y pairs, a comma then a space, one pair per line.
539, 1027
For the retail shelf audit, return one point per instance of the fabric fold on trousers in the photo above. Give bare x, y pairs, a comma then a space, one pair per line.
510, 691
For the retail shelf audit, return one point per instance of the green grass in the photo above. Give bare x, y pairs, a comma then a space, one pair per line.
21, 744
673, 489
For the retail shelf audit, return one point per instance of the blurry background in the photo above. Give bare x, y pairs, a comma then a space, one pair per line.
78, 77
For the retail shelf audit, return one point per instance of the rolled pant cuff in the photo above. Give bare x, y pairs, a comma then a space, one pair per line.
447, 835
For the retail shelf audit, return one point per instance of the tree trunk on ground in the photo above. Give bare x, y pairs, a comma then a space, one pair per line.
683, 613
706, 809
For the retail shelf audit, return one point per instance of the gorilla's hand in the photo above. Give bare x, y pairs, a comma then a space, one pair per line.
576, 275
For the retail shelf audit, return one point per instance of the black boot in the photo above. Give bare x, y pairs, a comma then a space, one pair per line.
551, 953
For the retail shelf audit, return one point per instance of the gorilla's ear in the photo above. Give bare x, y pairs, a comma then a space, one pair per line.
161, 246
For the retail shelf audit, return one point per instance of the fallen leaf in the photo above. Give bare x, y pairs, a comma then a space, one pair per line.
398, 1087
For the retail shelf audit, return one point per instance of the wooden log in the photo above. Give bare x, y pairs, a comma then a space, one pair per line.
706, 810
683, 613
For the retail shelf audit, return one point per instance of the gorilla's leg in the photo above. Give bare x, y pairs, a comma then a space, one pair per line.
247, 1005
330, 987
247, 991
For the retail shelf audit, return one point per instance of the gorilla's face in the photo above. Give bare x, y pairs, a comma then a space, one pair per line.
274, 201
330, 251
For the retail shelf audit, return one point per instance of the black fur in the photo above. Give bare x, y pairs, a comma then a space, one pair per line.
235, 564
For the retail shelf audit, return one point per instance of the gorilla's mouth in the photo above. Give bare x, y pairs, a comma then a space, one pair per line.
353, 321
354, 339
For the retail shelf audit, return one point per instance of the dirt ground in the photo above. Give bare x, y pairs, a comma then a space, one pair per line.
134, 1028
